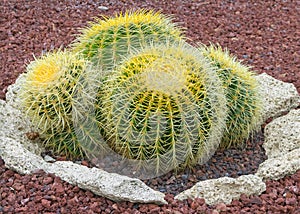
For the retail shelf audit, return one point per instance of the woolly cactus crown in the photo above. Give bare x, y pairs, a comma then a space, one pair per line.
48, 70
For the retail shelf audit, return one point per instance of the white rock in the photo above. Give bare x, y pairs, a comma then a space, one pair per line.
278, 96
18, 158
12, 91
14, 125
113, 186
225, 189
282, 135
102, 8
49, 159
279, 167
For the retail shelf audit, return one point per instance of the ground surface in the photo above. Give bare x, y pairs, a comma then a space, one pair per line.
264, 34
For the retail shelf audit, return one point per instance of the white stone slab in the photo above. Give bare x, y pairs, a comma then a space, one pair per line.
282, 135
279, 167
225, 189
278, 96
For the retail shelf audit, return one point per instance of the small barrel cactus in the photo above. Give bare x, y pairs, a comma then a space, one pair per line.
242, 93
163, 106
104, 41
46, 98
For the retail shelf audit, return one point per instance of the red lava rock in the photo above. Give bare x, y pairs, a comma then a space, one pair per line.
84, 163
194, 205
282, 209
73, 201
294, 189
18, 186
288, 195
154, 210
221, 207
235, 203
76, 189
144, 208
46, 203
256, 200
291, 201
245, 199
115, 207
200, 201
50, 197
273, 195
94, 207
280, 201
152, 206
62, 158
47, 180
59, 188
107, 210
11, 197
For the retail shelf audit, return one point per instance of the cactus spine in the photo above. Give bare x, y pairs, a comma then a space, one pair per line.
243, 99
46, 97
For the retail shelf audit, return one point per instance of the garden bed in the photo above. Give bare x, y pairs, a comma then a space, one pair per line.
262, 34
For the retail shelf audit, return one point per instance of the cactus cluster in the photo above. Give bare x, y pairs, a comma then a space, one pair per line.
132, 86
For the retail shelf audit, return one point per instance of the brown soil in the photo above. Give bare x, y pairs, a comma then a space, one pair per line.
264, 34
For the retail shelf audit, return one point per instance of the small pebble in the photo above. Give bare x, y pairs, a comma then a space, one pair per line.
49, 159
103, 8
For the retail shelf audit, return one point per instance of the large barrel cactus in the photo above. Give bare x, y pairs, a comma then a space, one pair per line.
46, 97
242, 93
163, 107
106, 40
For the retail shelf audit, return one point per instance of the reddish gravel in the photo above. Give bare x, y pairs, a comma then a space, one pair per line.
265, 34
46, 193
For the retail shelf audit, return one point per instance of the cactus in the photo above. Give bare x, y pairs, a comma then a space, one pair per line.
243, 99
64, 142
106, 40
163, 106
46, 98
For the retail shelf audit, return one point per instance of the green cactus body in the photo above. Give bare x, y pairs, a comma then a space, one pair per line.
104, 41
46, 98
64, 142
243, 99
163, 106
